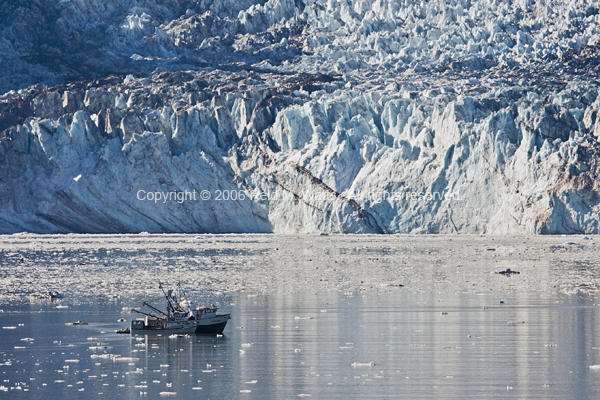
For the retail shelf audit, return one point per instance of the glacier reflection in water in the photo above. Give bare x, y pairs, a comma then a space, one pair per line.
400, 344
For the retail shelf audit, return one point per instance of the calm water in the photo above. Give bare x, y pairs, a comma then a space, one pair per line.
282, 346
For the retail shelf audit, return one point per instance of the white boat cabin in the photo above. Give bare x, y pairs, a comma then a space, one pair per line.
205, 312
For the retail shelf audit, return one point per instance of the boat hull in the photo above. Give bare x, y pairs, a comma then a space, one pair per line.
136, 329
214, 325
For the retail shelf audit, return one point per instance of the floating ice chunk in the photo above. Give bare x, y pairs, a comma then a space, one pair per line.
357, 364
100, 347
125, 359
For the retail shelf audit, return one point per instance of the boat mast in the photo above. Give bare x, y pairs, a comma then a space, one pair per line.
167, 296
183, 295
180, 293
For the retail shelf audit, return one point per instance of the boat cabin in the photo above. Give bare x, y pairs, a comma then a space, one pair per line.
205, 312
137, 324
154, 321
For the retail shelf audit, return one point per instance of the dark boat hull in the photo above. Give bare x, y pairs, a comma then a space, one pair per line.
163, 331
214, 325
216, 328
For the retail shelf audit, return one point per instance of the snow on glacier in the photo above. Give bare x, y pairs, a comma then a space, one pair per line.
319, 117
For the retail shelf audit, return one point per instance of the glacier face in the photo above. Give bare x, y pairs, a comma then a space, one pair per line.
300, 116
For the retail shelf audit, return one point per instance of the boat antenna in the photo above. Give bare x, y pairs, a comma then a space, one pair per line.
178, 286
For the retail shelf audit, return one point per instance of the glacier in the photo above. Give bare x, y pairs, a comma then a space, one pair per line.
300, 116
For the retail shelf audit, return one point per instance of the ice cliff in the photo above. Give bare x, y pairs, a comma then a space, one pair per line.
300, 116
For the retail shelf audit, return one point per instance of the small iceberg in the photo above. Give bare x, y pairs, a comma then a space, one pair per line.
357, 364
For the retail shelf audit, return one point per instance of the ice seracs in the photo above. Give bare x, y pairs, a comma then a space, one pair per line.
319, 116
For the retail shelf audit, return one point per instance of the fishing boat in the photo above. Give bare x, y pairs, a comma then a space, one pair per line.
207, 319
53, 294
174, 321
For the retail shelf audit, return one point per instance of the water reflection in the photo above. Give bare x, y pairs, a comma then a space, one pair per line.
395, 345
